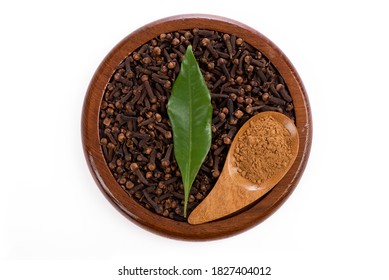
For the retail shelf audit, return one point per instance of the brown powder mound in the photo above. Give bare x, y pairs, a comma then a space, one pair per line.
263, 150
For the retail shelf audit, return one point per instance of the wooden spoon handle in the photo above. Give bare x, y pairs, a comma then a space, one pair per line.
215, 205
227, 196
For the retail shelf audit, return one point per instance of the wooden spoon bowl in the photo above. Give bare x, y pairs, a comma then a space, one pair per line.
241, 220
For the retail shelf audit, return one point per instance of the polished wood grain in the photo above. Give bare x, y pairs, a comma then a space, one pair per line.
248, 217
232, 192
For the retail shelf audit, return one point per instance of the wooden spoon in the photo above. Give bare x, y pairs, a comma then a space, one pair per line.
233, 192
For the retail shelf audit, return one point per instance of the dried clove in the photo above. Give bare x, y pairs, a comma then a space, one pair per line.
166, 160
135, 168
157, 207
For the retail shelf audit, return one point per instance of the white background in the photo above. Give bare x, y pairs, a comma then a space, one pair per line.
55, 222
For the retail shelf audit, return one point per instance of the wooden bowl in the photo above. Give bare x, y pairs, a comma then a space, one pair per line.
156, 223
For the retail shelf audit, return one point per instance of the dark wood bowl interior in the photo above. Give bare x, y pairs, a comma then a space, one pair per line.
248, 217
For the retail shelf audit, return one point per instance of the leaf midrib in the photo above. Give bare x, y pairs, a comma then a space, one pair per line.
190, 130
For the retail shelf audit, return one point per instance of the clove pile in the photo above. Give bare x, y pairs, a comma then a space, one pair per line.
135, 132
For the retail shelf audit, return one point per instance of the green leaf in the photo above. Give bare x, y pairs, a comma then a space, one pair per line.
190, 114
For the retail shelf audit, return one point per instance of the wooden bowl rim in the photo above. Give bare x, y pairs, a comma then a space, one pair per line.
128, 206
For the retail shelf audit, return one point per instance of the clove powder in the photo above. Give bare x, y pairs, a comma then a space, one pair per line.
263, 150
